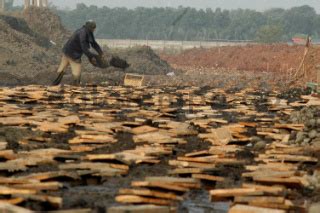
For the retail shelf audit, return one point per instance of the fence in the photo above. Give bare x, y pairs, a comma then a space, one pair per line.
162, 44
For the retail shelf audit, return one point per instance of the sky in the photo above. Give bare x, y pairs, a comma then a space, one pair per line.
259, 5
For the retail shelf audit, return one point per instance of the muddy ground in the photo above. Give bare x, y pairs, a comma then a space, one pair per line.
98, 193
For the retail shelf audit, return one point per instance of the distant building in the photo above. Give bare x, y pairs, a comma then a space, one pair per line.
303, 40
2, 5
35, 3
299, 40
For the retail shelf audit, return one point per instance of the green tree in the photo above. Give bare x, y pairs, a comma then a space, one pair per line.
182, 23
269, 34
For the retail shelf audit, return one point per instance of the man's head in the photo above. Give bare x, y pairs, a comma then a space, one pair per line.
91, 25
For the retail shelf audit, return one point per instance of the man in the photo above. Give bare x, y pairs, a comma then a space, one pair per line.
79, 44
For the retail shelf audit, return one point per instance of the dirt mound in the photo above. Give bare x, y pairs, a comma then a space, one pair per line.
144, 60
23, 52
27, 46
19, 31
46, 23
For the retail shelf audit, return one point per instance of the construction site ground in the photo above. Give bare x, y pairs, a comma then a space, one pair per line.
212, 130
184, 149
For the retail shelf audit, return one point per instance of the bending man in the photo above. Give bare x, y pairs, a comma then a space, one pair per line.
79, 44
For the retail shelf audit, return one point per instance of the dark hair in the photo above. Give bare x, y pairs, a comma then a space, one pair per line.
91, 25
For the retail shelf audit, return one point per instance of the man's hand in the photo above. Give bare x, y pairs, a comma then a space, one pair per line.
93, 60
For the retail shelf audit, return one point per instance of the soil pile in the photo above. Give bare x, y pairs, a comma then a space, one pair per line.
23, 51
46, 23
143, 60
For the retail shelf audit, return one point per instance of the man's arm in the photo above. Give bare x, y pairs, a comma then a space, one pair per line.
96, 46
84, 45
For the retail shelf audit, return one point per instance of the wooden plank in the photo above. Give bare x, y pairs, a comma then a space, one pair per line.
185, 164
52, 127
167, 186
273, 166
143, 130
72, 119
15, 180
235, 192
259, 199
13, 121
274, 190
101, 169
127, 157
269, 173
133, 199
292, 181
150, 193
248, 124
251, 209
93, 139
208, 177
52, 175
221, 150
159, 137
140, 209
3, 145
93, 166
297, 127
4, 190
73, 211
289, 158
172, 179
196, 154
39, 186
6, 207
206, 159
13, 201
219, 136
55, 201
84, 148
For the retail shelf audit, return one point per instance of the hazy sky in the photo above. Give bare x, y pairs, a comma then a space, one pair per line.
225, 4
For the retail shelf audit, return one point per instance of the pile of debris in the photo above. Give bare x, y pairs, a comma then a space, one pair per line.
23, 52
48, 24
143, 60
310, 117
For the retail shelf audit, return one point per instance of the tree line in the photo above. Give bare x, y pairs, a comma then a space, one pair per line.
273, 25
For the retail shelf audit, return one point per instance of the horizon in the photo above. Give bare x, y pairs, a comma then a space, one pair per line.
258, 5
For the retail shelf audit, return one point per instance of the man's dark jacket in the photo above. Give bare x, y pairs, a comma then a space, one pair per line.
80, 43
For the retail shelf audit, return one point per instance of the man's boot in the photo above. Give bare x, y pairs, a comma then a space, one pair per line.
58, 79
